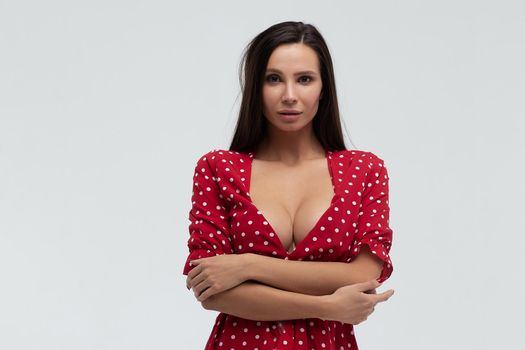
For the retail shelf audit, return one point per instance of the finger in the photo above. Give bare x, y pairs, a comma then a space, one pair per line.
199, 288
197, 280
206, 294
384, 296
364, 286
194, 272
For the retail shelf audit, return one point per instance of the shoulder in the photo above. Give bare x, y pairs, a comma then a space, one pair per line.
219, 154
218, 158
368, 163
376, 167
360, 156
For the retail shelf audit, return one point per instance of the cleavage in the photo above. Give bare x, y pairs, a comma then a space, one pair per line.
291, 199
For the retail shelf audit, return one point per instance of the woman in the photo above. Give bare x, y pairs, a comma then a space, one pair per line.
289, 234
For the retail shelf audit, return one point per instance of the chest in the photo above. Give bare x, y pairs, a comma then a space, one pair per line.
291, 198
308, 212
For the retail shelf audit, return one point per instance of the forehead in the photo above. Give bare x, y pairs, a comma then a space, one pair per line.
293, 57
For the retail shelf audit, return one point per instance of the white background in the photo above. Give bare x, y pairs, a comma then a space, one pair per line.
105, 107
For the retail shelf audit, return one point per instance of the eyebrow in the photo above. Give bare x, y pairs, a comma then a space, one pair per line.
298, 73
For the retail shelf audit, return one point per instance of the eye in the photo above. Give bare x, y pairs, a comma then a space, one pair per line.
273, 78
269, 78
308, 77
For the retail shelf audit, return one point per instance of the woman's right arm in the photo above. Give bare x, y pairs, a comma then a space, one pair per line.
254, 301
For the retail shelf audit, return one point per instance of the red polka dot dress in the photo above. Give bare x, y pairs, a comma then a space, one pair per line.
224, 220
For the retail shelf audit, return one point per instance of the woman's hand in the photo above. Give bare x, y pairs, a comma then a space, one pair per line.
215, 274
354, 303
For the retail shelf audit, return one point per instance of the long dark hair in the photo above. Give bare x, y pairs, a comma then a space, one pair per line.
251, 124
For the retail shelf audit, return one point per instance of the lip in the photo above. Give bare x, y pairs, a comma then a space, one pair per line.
290, 118
289, 111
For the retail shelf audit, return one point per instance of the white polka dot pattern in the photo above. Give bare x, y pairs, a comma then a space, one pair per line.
374, 214
224, 220
209, 228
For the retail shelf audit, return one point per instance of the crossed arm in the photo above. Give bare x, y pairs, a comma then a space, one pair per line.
287, 289
284, 289
314, 277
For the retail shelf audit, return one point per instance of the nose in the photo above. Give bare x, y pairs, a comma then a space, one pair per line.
289, 95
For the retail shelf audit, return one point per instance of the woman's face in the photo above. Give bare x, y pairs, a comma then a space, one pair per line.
292, 82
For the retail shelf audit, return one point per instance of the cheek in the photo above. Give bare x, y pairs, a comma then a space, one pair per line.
311, 98
268, 99
311, 95
270, 95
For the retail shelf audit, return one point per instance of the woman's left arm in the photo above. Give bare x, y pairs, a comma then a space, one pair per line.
307, 277
312, 277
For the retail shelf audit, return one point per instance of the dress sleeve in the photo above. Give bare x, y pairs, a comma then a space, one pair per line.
209, 222
373, 221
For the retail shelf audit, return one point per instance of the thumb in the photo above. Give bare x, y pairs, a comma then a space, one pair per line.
364, 286
384, 296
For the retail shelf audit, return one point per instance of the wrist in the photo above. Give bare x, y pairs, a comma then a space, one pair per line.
324, 307
249, 266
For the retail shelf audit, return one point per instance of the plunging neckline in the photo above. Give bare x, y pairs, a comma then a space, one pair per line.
328, 155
